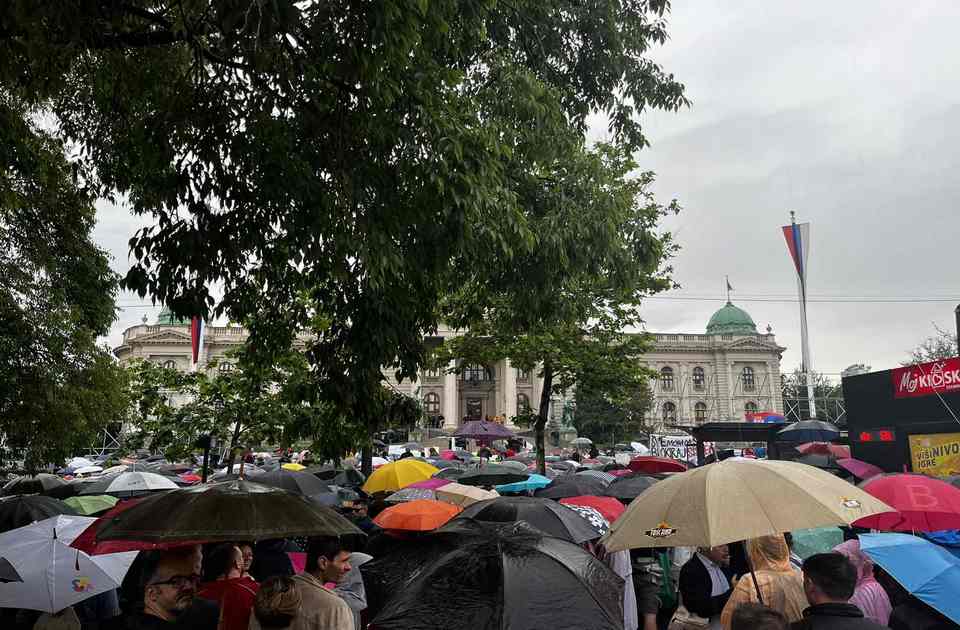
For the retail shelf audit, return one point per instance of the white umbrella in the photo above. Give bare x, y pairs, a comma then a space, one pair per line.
88, 470
130, 483
582, 441
378, 461
79, 462
640, 448
115, 470
54, 574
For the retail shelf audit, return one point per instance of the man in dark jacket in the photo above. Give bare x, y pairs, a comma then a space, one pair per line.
705, 582
828, 581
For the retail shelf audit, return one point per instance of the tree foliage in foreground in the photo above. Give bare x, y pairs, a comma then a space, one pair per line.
609, 422
942, 345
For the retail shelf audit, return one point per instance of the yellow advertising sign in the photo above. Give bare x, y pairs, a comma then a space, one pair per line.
935, 454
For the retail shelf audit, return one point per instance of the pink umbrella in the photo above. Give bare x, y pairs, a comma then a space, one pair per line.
448, 455
430, 484
824, 448
859, 469
620, 472
923, 504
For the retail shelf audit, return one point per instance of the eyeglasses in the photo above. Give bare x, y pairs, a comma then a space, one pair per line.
179, 582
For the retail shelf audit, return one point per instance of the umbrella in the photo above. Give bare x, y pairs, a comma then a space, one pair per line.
92, 504
130, 484
924, 504
462, 496
8, 573
249, 470
226, 511
571, 486
399, 474
190, 478
859, 469
22, 510
818, 460
581, 442
927, 571
36, 484
376, 462
601, 476
625, 472
115, 470
294, 481
628, 488
430, 484
531, 483
88, 470
809, 431
807, 542
485, 576
448, 455
411, 494
449, 473
53, 574
824, 448
521, 466
953, 480
548, 516
422, 515
492, 475
736, 500
483, 430
79, 462
608, 507
293, 466
652, 464
348, 477
412, 446
87, 540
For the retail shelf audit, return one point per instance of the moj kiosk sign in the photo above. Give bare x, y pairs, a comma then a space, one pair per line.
926, 379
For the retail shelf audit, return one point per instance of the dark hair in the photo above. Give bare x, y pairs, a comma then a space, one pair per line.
218, 560
832, 573
277, 603
752, 616
326, 546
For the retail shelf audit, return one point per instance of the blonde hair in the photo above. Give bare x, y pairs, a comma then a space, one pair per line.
277, 603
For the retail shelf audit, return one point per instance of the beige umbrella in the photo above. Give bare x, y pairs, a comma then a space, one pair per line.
463, 495
736, 500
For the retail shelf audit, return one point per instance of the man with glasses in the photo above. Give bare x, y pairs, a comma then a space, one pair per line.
170, 580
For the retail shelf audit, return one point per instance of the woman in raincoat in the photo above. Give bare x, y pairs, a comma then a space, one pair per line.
868, 596
780, 585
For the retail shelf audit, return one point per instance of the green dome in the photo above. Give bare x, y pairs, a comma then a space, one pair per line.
166, 318
731, 320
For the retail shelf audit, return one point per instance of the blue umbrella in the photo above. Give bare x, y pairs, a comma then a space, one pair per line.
927, 571
809, 431
533, 482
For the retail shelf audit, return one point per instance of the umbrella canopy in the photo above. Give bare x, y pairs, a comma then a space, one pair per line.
809, 431
581, 442
451, 472
601, 476
448, 455
222, 512
376, 462
531, 483
547, 516
807, 542
293, 466
571, 486
924, 504
91, 504
653, 465
430, 484
22, 510
411, 494
88, 470
32, 484
294, 481
818, 460
608, 507
859, 469
927, 571
736, 500
484, 576
825, 448
53, 574
129, 484
190, 477
483, 430
348, 477
422, 515
462, 496
628, 488
521, 466
79, 462
399, 474
492, 475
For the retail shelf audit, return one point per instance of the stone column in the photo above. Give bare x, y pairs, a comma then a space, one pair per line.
731, 385
509, 390
451, 406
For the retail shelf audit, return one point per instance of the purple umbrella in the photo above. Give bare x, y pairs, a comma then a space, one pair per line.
859, 469
483, 430
430, 484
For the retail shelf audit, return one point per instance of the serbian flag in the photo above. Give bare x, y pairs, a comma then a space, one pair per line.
196, 339
797, 236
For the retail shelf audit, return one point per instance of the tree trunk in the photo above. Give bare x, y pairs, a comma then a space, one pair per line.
366, 454
542, 416
231, 457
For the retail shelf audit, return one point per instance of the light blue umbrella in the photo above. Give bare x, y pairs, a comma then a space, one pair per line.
533, 482
927, 571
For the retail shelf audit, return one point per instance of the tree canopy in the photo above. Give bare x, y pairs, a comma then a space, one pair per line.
942, 345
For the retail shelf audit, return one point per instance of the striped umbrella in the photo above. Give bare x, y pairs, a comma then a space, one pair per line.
605, 477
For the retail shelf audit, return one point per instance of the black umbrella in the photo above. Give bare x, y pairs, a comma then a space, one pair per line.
567, 486
819, 460
451, 472
548, 516
348, 477
227, 511
325, 472
22, 510
33, 484
629, 487
809, 431
491, 475
294, 481
484, 576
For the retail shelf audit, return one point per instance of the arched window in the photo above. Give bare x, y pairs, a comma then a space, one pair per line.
750, 407
669, 412
477, 373
431, 404
700, 412
523, 376
698, 379
170, 365
666, 379
749, 383
225, 367
523, 404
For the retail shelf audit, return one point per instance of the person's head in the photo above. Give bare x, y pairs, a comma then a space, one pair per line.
719, 555
222, 561
863, 565
327, 559
246, 551
753, 616
828, 577
277, 603
769, 552
356, 509
169, 581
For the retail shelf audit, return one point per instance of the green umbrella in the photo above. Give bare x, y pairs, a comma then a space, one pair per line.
91, 503
807, 542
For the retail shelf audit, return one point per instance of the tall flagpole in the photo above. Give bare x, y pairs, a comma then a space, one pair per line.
797, 236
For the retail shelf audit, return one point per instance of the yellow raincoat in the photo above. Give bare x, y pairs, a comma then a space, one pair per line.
780, 584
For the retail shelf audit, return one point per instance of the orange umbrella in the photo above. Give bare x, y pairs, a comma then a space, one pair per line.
422, 515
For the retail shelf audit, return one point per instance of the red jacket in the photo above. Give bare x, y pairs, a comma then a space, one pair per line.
235, 597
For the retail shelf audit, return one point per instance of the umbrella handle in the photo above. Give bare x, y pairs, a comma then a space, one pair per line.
753, 575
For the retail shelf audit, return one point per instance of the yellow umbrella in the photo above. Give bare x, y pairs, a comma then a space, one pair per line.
399, 474
736, 500
294, 467
463, 495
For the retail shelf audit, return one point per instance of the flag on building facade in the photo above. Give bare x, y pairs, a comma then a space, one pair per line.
196, 338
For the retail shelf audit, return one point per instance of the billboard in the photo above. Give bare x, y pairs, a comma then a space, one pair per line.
935, 454
926, 379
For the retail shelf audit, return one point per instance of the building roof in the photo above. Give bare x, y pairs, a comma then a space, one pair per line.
731, 320
166, 318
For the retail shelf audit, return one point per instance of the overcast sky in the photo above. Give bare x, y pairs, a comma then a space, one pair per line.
846, 112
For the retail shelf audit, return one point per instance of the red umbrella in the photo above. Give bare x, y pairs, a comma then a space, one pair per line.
609, 508
825, 448
621, 472
448, 455
859, 469
191, 477
650, 464
87, 541
923, 504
